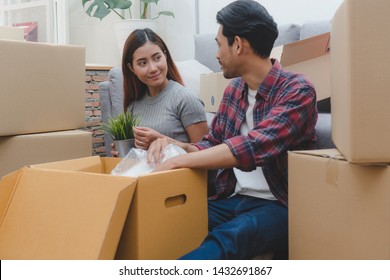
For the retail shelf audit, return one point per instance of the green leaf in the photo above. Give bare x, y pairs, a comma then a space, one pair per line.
165, 13
122, 4
101, 8
121, 126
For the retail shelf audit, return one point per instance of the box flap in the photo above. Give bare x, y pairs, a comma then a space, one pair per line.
64, 215
94, 164
86, 164
305, 49
326, 153
7, 188
334, 154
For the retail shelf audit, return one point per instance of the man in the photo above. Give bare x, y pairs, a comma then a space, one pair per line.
265, 111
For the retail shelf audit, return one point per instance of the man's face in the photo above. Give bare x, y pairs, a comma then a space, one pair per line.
226, 56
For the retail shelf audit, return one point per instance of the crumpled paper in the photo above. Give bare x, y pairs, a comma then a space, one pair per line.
135, 164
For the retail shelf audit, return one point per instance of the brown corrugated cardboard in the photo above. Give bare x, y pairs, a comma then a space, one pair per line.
18, 151
51, 214
337, 210
11, 33
306, 49
168, 215
42, 87
212, 87
309, 57
360, 65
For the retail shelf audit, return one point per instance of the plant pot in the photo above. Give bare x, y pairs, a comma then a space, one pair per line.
125, 26
123, 147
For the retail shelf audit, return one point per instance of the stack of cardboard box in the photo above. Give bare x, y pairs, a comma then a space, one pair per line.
42, 103
339, 199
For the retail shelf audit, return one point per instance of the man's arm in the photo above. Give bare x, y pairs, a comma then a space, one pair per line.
215, 157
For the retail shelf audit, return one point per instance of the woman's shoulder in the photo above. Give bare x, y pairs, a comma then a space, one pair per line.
180, 91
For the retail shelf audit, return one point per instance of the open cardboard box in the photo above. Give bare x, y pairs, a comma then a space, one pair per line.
212, 87
167, 216
337, 210
62, 215
308, 56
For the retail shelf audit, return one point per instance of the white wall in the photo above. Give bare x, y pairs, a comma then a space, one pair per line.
99, 38
283, 11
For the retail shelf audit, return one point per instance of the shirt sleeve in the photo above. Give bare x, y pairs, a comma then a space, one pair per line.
285, 126
190, 109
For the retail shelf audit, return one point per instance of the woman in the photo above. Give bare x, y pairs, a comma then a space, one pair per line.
154, 91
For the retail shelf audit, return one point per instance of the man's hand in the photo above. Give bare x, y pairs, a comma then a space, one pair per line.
156, 150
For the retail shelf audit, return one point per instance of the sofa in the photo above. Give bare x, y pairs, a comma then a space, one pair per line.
204, 62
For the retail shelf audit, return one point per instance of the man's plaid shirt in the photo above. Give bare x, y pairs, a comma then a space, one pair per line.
285, 115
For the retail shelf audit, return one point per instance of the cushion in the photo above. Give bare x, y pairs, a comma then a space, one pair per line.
206, 49
312, 28
116, 90
287, 33
190, 71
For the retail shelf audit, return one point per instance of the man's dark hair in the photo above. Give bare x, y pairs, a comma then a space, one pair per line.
248, 19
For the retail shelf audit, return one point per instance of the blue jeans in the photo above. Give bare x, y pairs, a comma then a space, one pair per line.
242, 227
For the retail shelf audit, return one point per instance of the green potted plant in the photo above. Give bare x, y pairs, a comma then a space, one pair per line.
120, 128
101, 8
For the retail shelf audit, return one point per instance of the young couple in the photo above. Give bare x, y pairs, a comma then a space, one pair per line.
265, 111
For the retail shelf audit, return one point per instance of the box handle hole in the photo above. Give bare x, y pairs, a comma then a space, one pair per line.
175, 200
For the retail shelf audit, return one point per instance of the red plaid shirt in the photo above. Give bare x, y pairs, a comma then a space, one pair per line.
285, 115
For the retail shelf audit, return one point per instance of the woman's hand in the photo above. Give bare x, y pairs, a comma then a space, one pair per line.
114, 152
144, 136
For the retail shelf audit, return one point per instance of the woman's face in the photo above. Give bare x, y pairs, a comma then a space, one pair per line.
150, 66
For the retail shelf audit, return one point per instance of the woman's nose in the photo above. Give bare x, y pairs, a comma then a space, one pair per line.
153, 66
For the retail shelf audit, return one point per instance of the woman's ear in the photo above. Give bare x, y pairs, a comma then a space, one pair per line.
130, 67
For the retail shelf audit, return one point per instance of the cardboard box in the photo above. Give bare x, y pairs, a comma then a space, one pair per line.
360, 84
311, 57
212, 87
308, 56
51, 214
168, 214
18, 151
337, 210
42, 87
11, 33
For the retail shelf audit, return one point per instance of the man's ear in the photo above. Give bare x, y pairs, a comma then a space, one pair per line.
238, 44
